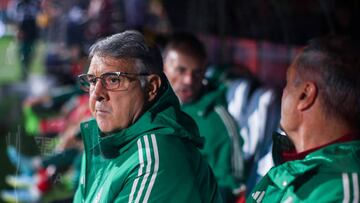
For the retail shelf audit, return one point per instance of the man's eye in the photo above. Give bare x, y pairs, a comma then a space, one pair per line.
92, 81
113, 80
180, 70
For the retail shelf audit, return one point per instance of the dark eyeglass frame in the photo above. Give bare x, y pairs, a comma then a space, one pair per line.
86, 85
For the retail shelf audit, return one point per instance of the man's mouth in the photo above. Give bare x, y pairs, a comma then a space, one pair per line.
101, 110
186, 92
102, 113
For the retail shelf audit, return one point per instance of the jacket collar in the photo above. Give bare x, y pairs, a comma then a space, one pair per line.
331, 158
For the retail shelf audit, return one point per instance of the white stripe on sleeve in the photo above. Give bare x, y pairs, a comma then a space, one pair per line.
355, 187
346, 187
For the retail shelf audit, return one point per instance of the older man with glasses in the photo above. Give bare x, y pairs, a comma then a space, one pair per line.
140, 147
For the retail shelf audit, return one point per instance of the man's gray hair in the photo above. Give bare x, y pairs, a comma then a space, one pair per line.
130, 45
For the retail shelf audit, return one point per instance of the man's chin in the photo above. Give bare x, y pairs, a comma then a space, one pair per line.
104, 126
104, 129
185, 98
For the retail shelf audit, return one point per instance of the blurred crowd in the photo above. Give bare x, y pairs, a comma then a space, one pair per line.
69, 27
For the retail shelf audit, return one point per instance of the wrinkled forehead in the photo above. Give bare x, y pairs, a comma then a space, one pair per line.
103, 64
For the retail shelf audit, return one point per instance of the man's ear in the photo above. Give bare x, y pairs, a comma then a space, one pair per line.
307, 96
153, 86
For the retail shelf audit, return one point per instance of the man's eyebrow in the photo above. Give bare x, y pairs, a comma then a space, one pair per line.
182, 67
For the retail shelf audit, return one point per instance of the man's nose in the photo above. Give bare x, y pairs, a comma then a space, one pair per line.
188, 78
99, 91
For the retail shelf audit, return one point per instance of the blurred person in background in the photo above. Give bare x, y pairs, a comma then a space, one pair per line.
185, 66
24, 14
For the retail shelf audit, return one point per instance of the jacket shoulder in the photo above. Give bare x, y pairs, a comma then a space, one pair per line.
329, 187
167, 163
313, 184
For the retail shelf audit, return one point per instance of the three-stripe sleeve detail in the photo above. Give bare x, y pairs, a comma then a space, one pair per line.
141, 162
148, 160
350, 187
153, 177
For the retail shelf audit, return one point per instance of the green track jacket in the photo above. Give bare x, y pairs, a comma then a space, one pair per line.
222, 148
154, 160
330, 174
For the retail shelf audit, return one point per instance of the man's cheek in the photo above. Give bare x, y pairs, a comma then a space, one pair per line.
92, 108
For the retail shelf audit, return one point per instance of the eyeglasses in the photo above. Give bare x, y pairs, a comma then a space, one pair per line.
110, 81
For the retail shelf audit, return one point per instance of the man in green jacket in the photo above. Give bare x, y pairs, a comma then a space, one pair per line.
185, 66
318, 155
140, 147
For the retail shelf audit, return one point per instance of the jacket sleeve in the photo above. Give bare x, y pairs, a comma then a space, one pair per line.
228, 160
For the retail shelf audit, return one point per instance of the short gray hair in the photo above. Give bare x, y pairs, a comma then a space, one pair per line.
334, 63
130, 44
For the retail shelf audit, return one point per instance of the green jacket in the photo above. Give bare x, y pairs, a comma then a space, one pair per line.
154, 160
222, 148
330, 174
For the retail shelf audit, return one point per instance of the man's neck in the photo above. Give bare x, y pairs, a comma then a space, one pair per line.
319, 134
291, 155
